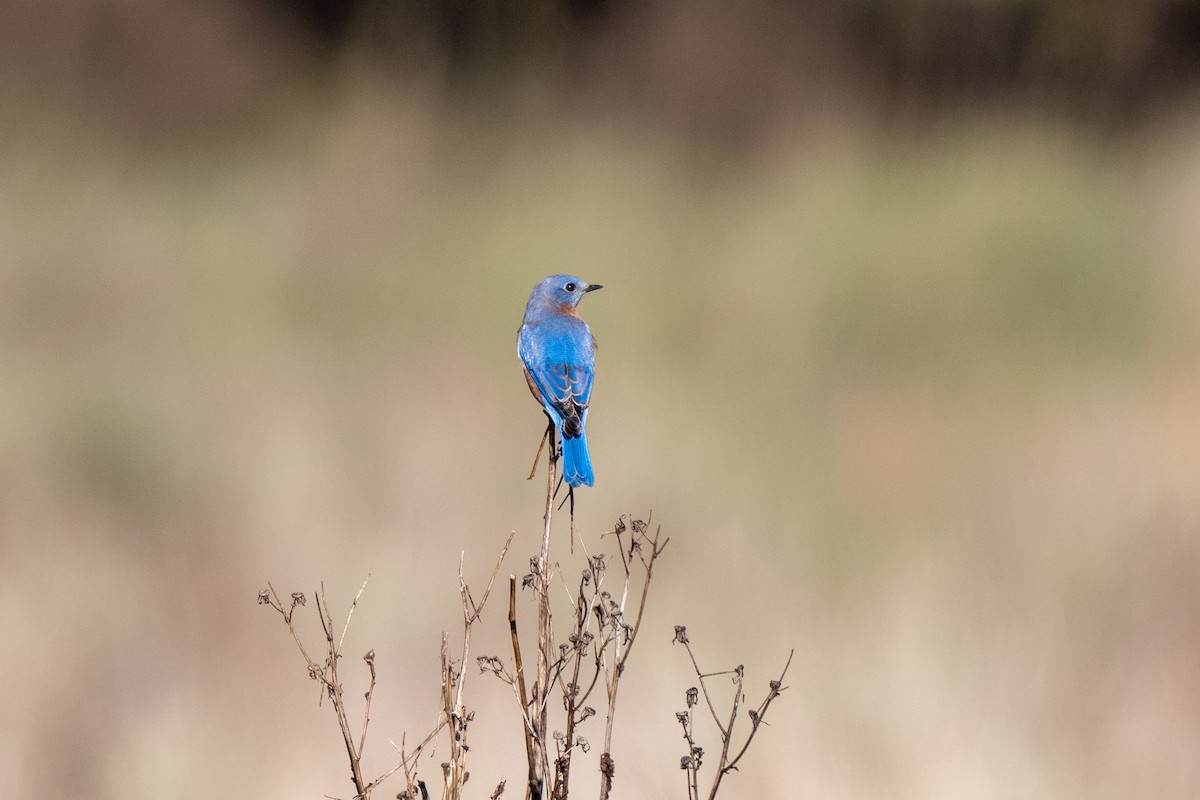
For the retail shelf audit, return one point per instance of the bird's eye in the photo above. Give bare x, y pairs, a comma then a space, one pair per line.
570, 287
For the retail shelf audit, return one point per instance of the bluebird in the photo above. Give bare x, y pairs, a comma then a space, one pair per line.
558, 352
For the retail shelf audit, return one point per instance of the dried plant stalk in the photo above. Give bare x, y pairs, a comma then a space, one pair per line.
692, 762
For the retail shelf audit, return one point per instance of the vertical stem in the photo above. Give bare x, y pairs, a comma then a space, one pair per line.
541, 711
562, 777
607, 767
727, 737
339, 704
516, 643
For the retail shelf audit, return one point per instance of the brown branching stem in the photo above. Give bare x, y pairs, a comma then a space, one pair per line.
691, 762
625, 635
453, 712
327, 673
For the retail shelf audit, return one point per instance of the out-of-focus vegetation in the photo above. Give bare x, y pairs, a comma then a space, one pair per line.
900, 342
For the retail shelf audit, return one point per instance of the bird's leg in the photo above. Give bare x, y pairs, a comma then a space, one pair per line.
555, 446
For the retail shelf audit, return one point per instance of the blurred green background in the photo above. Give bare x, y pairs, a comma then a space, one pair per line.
900, 343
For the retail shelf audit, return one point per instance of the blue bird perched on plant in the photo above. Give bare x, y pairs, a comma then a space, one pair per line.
559, 354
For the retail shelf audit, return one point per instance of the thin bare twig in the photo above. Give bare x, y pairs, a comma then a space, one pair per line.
536, 458
369, 658
681, 637
350, 614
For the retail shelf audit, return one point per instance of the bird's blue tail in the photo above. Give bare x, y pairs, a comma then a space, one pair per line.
577, 464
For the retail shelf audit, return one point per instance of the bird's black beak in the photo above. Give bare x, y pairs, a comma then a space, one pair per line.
591, 287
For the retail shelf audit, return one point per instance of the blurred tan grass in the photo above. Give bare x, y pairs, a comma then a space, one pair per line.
921, 407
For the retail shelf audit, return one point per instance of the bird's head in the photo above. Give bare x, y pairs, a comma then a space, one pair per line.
563, 291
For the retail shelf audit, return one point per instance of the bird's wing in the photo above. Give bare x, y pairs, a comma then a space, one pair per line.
566, 388
562, 373
558, 361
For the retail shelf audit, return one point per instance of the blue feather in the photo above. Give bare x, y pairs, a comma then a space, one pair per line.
577, 462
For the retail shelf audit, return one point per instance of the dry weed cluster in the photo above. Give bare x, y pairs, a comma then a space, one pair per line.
575, 678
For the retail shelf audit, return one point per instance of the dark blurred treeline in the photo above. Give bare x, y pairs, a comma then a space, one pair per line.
726, 66
1103, 56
